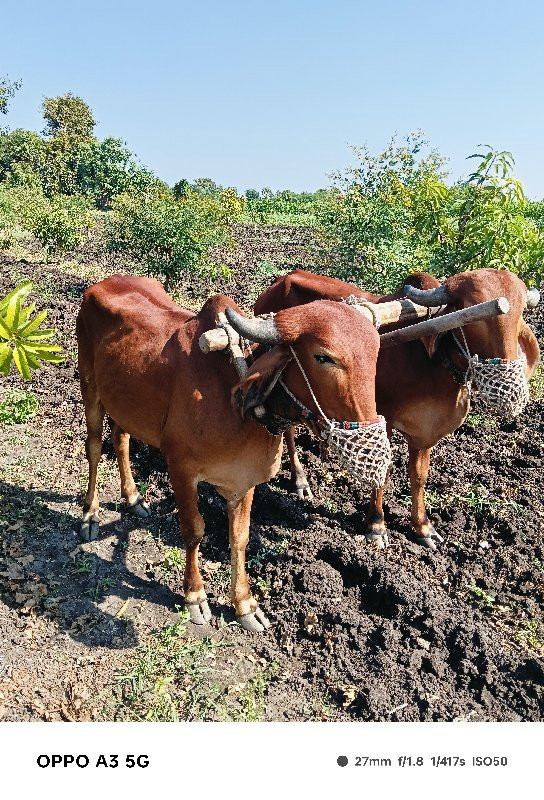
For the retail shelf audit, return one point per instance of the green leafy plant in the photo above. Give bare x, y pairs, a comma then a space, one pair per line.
61, 223
22, 340
174, 559
481, 594
528, 633
393, 213
17, 406
172, 236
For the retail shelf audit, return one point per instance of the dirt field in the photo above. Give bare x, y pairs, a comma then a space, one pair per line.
93, 631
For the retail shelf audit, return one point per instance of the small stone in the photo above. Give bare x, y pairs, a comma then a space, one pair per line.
484, 544
423, 643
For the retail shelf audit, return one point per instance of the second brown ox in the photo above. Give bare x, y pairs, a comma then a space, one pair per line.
419, 387
140, 364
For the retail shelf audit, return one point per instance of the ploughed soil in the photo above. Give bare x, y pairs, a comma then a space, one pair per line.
357, 634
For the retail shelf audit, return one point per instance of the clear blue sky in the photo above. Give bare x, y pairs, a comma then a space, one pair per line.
257, 94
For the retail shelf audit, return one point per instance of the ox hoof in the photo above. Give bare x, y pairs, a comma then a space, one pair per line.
199, 612
140, 508
429, 540
301, 488
89, 528
304, 492
378, 540
255, 621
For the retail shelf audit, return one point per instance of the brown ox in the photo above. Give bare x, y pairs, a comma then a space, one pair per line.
416, 393
140, 363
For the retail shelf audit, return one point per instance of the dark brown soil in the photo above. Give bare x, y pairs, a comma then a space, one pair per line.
358, 634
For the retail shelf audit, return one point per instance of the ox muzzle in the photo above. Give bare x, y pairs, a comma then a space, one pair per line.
499, 385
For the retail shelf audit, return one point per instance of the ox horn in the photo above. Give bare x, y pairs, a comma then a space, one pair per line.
255, 329
427, 297
533, 298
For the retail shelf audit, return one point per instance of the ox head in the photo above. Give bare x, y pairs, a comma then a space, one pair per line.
337, 348
499, 373
496, 337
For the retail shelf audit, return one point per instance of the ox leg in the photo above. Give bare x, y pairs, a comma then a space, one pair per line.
192, 532
94, 417
376, 532
418, 466
136, 504
298, 476
248, 613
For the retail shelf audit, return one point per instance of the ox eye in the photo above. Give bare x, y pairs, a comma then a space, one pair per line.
321, 358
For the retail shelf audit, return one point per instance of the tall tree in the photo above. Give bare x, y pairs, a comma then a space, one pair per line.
68, 115
7, 90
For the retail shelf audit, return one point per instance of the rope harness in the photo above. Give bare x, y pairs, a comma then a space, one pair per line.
361, 448
499, 385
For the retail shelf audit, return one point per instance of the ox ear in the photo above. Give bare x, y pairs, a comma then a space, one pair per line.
260, 379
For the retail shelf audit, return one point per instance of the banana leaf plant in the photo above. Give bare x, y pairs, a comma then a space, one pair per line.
22, 340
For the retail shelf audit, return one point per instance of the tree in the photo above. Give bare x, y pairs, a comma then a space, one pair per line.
69, 127
367, 220
7, 90
68, 115
22, 157
103, 170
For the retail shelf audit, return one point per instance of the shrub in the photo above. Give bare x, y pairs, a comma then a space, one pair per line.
392, 213
22, 340
60, 223
172, 236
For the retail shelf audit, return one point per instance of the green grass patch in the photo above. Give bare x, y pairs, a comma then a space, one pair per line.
487, 599
18, 406
536, 384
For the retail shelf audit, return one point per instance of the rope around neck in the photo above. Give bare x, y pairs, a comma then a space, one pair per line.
362, 448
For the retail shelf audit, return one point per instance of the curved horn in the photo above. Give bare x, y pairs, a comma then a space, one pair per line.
254, 329
427, 297
533, 298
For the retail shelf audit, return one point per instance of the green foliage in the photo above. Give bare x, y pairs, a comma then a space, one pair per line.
168, 680
285, 207
60, 223
367, 221
393, 213
22, 157
17, 406
106, 169
481, 222
487, 599
7, 90
172, 236
22, 340
67, 115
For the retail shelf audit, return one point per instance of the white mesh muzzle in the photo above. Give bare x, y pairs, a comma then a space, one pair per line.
363, 451
500, 385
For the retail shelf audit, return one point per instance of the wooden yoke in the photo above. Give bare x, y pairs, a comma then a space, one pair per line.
223, 338
382, 314
456, 319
